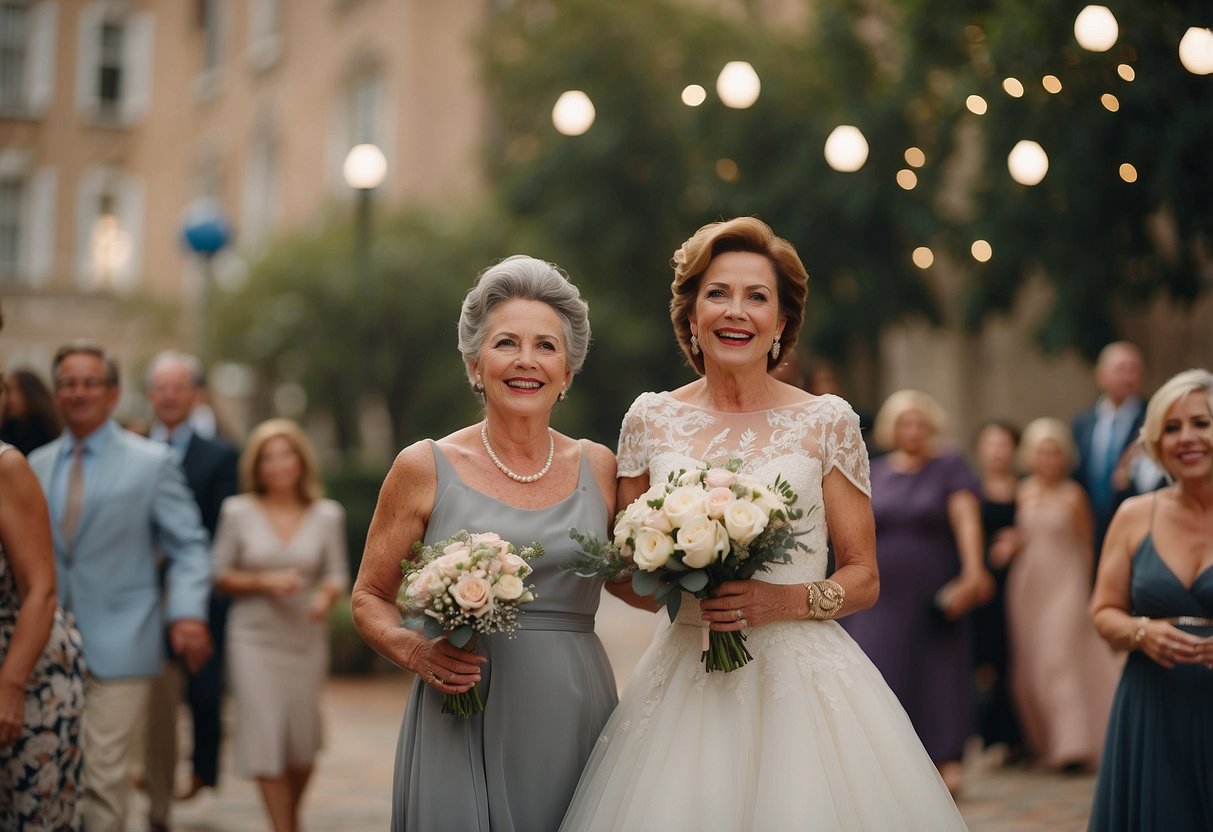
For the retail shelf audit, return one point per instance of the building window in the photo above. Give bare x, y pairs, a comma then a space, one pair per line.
109, 226
12, 202
114, 63
109, 69
14, 35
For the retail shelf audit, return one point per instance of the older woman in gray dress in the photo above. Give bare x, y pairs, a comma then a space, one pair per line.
280, 551
523, 334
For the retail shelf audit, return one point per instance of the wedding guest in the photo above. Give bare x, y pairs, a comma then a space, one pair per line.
173, 380
1062, 675
119, 503
523, 333
807, 733
41, 673
29, 418
1110, 466
932, 572
994, 453
1154, 598
280, 553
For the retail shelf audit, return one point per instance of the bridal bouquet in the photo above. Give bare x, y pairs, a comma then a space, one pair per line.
468, 584
698, 530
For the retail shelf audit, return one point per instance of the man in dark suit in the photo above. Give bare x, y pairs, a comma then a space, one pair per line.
173, 382
118, 503
1111, 466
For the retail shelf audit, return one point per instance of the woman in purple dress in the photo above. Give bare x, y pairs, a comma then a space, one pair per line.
932, 572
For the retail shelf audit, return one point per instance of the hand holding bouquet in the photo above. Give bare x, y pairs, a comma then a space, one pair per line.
700, 529
467, 584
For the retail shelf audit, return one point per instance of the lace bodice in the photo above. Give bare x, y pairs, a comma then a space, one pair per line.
802, 442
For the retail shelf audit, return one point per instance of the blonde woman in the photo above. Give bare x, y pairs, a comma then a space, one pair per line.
932, 573
1062, 675
1154, 598
280, 552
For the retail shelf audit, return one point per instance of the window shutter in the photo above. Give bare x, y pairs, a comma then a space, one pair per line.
40, 229
40, 62
137, 67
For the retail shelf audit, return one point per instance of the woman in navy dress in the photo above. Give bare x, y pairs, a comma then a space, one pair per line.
1154, 597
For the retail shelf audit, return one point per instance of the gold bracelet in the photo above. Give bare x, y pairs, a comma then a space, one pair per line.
1139, 633
826, 599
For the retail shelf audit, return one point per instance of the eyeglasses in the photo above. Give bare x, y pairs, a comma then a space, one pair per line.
88, 384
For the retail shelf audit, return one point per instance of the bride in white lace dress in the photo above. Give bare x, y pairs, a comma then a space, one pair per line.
807, 735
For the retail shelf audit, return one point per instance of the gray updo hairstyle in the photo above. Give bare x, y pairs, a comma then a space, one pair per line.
520, 277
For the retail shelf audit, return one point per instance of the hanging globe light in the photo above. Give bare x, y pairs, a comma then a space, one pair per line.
738, 85
1096, 29
1196, 51
846, 149
573, 113
1028, 163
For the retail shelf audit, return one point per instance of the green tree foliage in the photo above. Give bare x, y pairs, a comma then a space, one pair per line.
1104, 244
619, 199
304, 316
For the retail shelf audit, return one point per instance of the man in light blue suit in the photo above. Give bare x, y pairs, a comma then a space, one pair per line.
118, 500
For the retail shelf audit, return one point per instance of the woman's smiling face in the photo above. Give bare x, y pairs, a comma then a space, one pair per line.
736, 314
523, 361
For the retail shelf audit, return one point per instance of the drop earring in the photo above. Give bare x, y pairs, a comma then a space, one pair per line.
564, 394
694, 344
775, 348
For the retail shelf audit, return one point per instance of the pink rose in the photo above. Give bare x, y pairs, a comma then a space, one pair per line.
512, 564
657, 520
473, 594
719, 478
717, 501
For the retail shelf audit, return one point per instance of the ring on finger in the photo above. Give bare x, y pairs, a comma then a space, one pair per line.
737, 614
434, 678
743, 622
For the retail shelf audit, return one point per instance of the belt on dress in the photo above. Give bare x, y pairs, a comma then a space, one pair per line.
1189, 621
567, 622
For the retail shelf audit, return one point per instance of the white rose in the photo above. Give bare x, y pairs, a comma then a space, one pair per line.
744, 521
457, 548
700, 543
684, 505
769, 501
657, 520
473, 595
508, 587
624, 529
693, 477
423, 587
652, 550
717, 501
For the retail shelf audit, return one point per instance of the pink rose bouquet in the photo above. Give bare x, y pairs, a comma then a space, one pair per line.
467, 584
699, 529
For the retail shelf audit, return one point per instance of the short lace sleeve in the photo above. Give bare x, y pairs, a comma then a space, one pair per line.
634, 440
846, 451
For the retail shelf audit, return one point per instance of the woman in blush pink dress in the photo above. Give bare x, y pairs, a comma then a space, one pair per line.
1063, 675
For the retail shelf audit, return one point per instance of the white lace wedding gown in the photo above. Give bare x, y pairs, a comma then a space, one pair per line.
807, 735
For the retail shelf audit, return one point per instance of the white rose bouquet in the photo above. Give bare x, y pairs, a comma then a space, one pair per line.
700, 529
468, 584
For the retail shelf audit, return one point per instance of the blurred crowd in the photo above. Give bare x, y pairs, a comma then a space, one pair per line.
184, 569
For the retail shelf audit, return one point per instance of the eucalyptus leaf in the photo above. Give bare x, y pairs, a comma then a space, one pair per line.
460, 636
430, 627
644, 583
673, 602
694, 581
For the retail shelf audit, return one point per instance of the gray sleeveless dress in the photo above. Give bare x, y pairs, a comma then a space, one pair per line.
547, 691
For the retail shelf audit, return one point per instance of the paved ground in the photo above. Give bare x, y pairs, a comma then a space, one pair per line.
351, 789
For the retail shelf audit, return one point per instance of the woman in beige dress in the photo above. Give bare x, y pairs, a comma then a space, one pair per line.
1063, 675
280, 551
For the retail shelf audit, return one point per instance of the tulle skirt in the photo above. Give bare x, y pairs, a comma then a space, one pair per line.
806, 736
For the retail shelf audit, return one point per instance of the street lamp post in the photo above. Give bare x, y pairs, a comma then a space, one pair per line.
206, 232
364, 171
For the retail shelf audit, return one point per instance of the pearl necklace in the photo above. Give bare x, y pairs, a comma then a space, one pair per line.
503, 468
